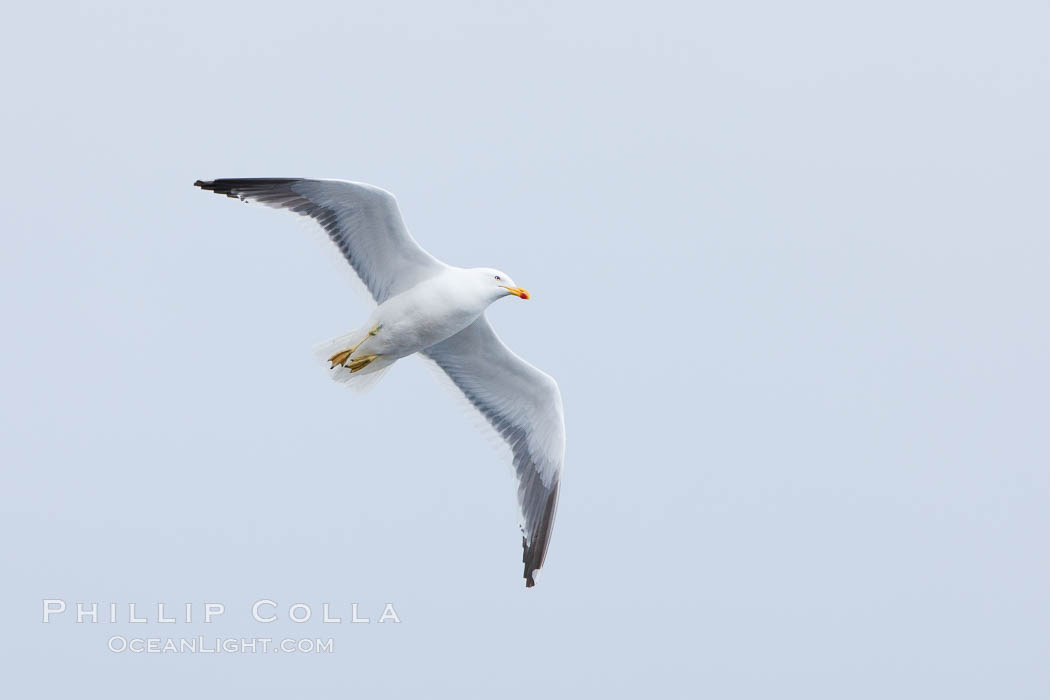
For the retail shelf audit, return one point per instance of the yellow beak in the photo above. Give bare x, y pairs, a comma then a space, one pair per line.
518, 291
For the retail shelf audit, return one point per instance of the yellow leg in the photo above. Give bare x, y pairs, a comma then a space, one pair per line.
341, 357
360, 362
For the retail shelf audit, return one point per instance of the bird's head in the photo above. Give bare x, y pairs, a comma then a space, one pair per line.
499, 284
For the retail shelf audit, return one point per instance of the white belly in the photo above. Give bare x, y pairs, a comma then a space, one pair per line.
418, 318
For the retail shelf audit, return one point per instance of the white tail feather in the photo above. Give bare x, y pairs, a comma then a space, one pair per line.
361, 380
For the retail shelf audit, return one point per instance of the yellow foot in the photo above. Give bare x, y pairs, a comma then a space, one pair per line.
360, 363
341, 357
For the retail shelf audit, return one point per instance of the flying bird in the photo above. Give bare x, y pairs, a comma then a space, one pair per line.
427, 307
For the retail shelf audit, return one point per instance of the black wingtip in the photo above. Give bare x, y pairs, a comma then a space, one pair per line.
213, 186
529, 580
217, 186
243, 187
533, 554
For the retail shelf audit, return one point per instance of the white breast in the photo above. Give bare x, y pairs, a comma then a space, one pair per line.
426, 314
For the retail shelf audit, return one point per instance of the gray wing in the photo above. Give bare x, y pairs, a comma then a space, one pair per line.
524, 406
364, 221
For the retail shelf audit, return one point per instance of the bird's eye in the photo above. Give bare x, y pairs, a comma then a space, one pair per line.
498, 278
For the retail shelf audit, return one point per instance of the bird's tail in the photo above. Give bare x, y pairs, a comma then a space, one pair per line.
361, 379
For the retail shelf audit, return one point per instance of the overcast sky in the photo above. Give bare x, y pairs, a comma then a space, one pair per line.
788, 264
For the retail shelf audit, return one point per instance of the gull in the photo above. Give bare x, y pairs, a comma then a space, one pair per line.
427, 307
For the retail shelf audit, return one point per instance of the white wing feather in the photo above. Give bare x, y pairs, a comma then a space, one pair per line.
524, 406
362, 220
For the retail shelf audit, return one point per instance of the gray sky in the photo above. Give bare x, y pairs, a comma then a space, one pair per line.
788, 264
